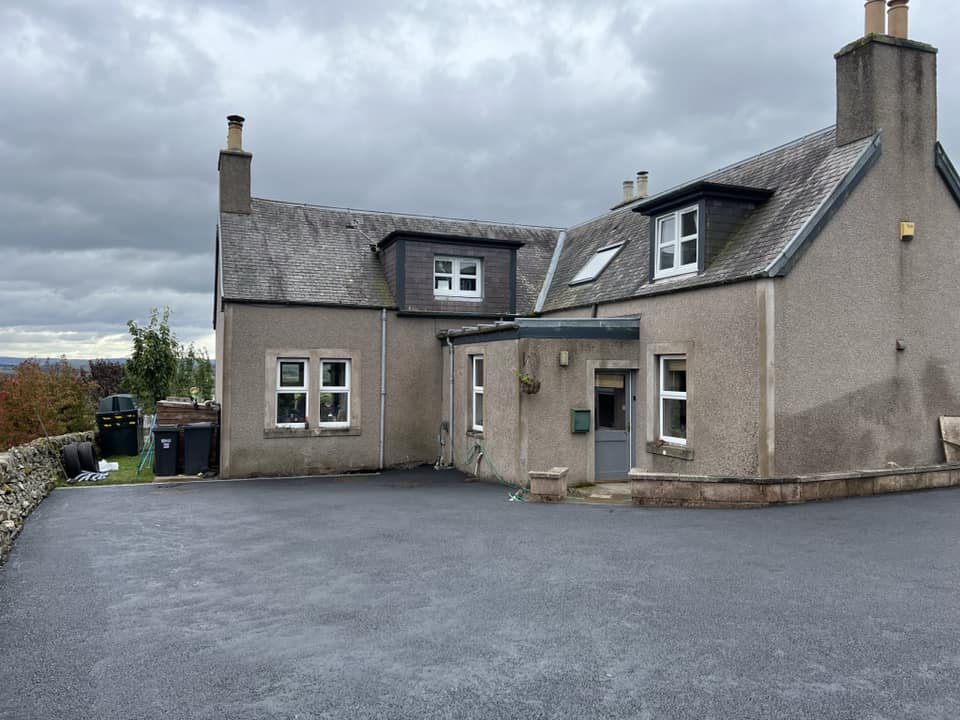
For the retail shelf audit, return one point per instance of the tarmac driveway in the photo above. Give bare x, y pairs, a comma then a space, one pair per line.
415, 595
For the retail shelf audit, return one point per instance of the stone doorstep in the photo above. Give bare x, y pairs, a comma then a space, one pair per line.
668, 489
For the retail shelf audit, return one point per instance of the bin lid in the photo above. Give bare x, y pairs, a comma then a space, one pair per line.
198, 426
167, 428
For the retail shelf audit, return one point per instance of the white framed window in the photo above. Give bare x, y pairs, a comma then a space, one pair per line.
293, 378
476, 392
673, 399
677, 238
457, 277
596, 264
333, 400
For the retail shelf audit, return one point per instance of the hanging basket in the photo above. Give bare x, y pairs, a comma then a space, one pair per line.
531, 386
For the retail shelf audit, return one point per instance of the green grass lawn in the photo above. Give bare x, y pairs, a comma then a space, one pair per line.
126, 474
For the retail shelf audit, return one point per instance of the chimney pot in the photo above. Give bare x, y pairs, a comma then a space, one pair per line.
897, 12
234, 132
643, 180
627, 190
876, 21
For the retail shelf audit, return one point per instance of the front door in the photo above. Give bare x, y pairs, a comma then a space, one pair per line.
613, 423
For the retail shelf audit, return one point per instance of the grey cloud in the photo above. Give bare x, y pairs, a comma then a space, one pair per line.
114, 114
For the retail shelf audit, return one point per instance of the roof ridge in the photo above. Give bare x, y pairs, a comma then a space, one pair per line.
409, 215
725, 168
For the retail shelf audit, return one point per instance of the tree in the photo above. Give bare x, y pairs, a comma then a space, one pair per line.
109, 375
50, 399
152, 367
194, 370
159, 366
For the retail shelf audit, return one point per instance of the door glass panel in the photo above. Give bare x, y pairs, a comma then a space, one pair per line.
611, 402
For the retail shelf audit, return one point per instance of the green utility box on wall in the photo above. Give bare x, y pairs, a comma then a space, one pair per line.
579, 420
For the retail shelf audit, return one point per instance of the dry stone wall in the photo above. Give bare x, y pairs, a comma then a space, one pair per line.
27, 475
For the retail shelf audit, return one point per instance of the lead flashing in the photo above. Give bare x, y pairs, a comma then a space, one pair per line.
947, 171
545, 328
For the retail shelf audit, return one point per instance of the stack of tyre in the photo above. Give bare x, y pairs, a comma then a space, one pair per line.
80, 462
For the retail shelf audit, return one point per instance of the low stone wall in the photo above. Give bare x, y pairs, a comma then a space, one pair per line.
665, 489
27, 475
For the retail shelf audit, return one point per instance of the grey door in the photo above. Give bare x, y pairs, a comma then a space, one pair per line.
613, 421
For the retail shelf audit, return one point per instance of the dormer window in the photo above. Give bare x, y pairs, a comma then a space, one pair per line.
677, 241
596, 264
457, 278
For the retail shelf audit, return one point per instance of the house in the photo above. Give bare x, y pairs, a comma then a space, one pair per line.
793, 313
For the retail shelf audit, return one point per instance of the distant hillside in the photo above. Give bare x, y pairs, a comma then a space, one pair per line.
12, 362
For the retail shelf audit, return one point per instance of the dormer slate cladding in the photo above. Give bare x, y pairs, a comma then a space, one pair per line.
723, 209
408, 262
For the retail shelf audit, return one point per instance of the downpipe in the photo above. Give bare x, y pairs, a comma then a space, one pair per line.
383, 380
450, 416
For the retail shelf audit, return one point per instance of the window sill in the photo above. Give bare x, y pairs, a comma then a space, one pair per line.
680, 275
280, 432
679, 452
475, 433
459, 298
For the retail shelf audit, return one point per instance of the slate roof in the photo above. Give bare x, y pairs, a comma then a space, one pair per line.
305, 254
804, 175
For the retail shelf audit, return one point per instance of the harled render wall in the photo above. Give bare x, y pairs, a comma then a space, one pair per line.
846, 397
719, 330
251, 332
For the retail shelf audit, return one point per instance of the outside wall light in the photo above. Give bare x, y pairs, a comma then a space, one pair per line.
564, 358
906, 231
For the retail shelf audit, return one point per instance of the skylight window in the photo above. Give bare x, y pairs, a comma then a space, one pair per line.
596, 264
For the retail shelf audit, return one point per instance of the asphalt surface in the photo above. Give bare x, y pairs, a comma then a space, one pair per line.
415, 595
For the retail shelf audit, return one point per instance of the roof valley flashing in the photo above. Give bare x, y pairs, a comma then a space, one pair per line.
756, 215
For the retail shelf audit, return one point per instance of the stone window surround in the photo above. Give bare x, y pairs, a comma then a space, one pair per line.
313, 357
653, 351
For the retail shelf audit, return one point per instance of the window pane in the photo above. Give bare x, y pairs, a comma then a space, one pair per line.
333, 407
688, 252
291, 374
675, 418
291, 407
688, 223
334, 374
478, 409
468, 267
443, 266
675, 375
468, 284
668, 229
442, 283
666, 257
478, 372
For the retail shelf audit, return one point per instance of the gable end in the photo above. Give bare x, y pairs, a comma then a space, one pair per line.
796, 247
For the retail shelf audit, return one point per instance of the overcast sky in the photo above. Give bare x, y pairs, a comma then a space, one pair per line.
112, 115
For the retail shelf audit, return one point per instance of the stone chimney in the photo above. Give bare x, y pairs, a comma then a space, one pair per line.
234, 167
888, 83
627, 191
643, 184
